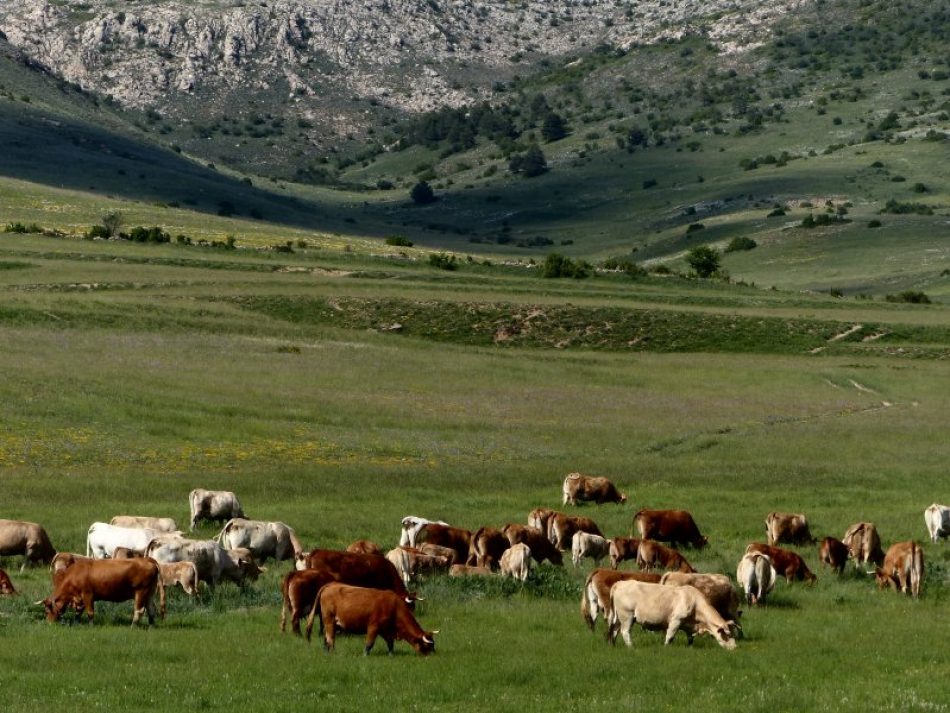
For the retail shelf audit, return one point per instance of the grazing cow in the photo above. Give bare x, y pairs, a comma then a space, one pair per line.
437, 551
213, 505
864, 544
652, 554
213, 562
89, 581
467, 570
786, 562
159, 524
791, 528
410, 562
487, 547
357, 610
541, 547
263, 539
590, 489
833, 553
718, 590
596, 595
516, 562
587, 545
364, 547
672, 526
411, 525
445, 536
540, 518
623, 548
124, 553
903, 568
562, 528
63, 560
657, 607
371, 571
25, 538
6, 586
937, 519
756, 576
299, 591
102, 539
182, 574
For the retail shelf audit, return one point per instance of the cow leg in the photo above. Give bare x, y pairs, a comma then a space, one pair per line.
329, 636
371, 633
88, 603
671, 630
390, 643
625, 630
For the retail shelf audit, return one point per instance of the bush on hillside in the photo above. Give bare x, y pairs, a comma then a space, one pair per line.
910, 296
443, 261
704, 260
422, 194
741, 243
557, 265
624, 265
399, 241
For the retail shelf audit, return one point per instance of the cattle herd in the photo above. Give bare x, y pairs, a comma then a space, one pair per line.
362, 590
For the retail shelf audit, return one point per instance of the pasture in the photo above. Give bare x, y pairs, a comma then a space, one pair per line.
136, 373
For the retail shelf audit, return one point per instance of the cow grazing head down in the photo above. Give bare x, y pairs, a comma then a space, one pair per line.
724, 635
425, 645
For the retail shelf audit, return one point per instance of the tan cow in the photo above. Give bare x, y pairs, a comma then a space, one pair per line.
364, 547
791, 528
596, 595
516, 562
756, 576
159, 524
594, 547
864, 544
903, 568
466, 570
591, 489
437, 551
833, 553
623, 548
487, 547
652, 554
182, 574
717, 588
562, 527
64, 560
541, 547
410, 562
540, 518
25, 538
660, 608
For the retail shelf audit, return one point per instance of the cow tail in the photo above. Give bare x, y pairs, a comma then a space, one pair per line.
224, 530
314, 612
585, 604
161, 592
88, 544
916, 571
610, 616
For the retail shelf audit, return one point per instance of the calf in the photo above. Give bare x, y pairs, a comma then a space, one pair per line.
465, 570
562, 527
652, 554
487, 547
182, 574
756, 576
788, 527
718, 590
672, 526
596, 595
833, 553
591, 489
6, 586
541, 547
364, 547
903, 568
516, 562
672, 609
864, 544
586, 545
438, 551
623, 548
371, 612
786, 563
124, 553
410, 562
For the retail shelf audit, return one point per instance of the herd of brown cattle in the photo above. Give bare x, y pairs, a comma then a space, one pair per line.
362, 590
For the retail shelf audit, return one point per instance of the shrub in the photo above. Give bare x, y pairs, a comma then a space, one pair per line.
422, 194
97, 231
624, 265
399, 240
557, 265
910, 296
874, 223
140, 234
21, 228
776, 213
741, 243
649, 183
920, 188
901, 208
443, 261
693, 227
530, 164
704, 260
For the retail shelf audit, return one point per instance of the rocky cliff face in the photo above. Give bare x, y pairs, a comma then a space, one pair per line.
411, 55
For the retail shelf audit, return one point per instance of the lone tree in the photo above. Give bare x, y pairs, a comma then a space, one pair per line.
704, 260
112, 222
422, 194
531, 163
553, 128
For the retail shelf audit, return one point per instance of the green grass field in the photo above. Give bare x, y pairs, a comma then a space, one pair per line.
136, 373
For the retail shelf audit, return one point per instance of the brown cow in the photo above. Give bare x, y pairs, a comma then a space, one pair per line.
364, 547
541, 547
864, 544
590, 489
124, 553
182, 574
791, 528
562, 528
465, 570
596, 594
89, 581
833, 553
357, 610
487, 546
446, 536
786, 563
903, 568
623, 548
672, 526
652, 554
25, 538
540, 518
6, 586
371, 571
298, 591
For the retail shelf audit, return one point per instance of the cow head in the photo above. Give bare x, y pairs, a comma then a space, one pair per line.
300, 560
54, 609
809, 577
882, 578
426, 644
703, 541
723, 634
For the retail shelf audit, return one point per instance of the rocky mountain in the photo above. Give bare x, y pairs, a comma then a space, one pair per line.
337, 63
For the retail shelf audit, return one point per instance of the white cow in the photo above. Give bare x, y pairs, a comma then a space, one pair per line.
213, 505
756, 576
516, 562
937, 518
212, 561
102, 539
159, 524
588, 545
411, 525
663, 608
263, 539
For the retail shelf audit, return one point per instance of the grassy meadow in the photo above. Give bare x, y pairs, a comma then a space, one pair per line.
136, 373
